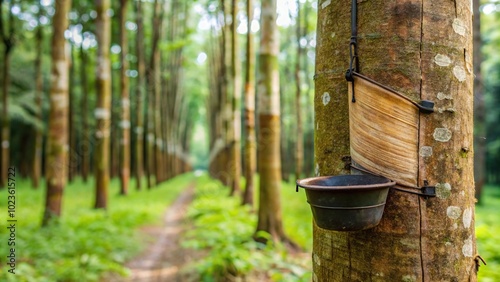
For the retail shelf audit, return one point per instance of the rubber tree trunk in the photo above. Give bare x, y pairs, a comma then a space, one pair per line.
103, 109
57, 141
299, 144
479, 107
156, 75
5, 125
72, 156
250, 152
125, 103
235, 163
424, 50
36, 168
85, 145
268, 161
141, 69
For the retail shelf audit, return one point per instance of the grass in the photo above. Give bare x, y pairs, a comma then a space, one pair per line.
87, 242
225, 230
488, 234
90, 242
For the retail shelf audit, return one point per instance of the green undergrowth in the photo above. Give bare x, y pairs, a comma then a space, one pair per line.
224, 229
488, 234
87, 242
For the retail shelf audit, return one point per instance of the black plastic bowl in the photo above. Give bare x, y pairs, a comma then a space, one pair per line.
347, 202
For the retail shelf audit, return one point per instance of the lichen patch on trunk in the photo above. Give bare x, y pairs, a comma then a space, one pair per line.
442, 134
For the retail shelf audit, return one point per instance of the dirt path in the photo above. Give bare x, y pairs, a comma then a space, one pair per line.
163, 259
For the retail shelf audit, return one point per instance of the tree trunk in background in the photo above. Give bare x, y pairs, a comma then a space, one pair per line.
141, 70
269, 164
422, 49
156, 76
72, 157
57, 158
7, 37
85, 141
115, 131
224, 170
299, 142
235, 163
102, 111
250, 144
308, 167
125, 103
36, 168
479, 107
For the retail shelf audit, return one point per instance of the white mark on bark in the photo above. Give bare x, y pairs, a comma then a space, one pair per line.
442, 60
317, 126
467, 247
426, 151
269, 101
315, 277
139, 130
442, 134
443, 109
316, 259
151, 137
5, 144
467, 218
237, 125
60, 78
447, 244
59, 101
459, 73
325, 98
125, 124
443, 190
103, 68
125, 102
442, 96
316, 169
326, 4
159, 142
101, 113
453, 212
455, 226
333, 34
99, 134
459, 27
409, 278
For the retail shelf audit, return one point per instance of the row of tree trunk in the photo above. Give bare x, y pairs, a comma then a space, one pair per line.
158, 106
262, 129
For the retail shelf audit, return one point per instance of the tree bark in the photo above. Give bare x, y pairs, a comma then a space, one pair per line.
7, 37
102, 112
85, 145
269, 164
250, 143
36, 168
423, 50
57, 147
156, 75
141, 70
479, 106
125, 103
299, 142
72, 156
235, 163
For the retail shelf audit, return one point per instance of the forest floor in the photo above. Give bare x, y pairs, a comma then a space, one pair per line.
164, 257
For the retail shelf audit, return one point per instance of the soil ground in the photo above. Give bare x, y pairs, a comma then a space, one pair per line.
164, 257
